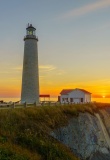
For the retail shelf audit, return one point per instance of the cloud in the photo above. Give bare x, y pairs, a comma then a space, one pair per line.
47, 68
4, 72
61, 72
42, 68
19, 68
86, 9
41, 77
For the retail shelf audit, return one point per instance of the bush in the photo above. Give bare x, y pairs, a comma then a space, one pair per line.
6, 154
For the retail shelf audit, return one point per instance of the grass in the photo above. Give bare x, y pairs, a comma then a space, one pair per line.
24, 132
102, 105
9, 151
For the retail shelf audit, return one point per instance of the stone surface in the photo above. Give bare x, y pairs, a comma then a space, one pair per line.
105, 115
100, 156
85, 136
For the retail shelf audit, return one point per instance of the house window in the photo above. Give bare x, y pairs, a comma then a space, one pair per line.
71, 99
63, 99
81, 99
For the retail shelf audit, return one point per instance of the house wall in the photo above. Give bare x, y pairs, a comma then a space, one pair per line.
63, 98
77, 95
87, 97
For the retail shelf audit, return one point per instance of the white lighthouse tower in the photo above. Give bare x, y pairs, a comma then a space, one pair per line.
30, 76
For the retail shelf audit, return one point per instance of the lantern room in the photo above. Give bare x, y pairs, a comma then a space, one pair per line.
30, 30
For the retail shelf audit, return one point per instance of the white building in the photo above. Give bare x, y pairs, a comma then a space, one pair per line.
75, 96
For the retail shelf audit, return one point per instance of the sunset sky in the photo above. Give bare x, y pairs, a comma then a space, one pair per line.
73, 47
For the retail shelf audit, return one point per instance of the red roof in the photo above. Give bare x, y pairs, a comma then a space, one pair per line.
66, 91
84, 91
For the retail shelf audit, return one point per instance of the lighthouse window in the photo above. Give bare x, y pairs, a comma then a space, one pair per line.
30, 32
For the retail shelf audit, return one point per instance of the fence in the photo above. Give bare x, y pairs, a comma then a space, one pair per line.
43, 103
19, 105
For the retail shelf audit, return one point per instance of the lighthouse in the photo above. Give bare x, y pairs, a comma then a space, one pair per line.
30, 75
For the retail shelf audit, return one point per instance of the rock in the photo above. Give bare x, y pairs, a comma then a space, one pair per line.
100, 156
85, 136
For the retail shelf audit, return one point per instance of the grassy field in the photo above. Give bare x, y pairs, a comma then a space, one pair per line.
24, 132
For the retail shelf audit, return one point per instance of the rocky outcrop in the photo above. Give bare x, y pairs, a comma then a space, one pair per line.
87, 135
105, 116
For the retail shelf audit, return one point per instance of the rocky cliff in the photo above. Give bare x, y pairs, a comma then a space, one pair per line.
88, 136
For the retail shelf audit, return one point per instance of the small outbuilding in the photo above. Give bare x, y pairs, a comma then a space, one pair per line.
75, 96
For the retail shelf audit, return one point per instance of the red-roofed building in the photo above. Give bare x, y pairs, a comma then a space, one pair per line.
75, 96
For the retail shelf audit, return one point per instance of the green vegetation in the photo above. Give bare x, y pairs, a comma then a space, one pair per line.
24, 132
